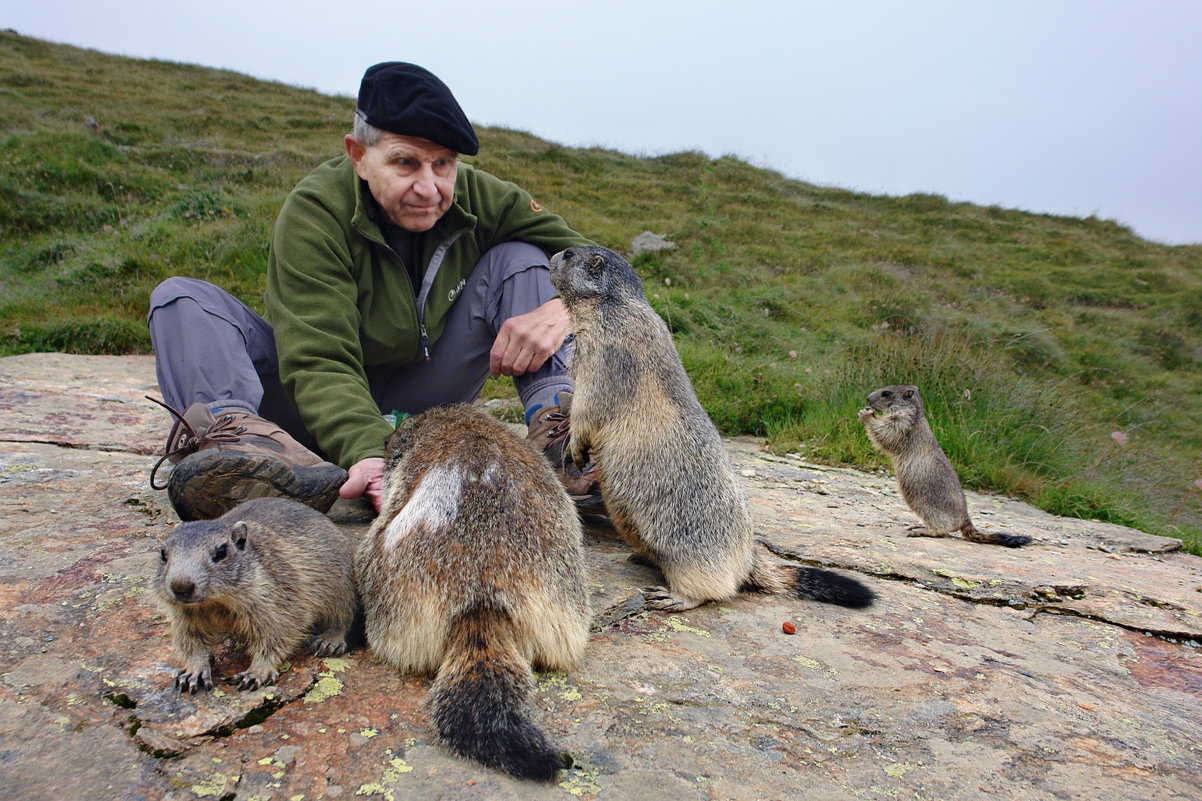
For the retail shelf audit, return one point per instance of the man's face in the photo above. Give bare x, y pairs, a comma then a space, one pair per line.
412, 179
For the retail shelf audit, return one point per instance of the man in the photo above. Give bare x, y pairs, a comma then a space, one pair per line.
398, 279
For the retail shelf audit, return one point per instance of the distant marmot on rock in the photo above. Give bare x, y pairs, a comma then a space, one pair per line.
474, 571
269, 570
668, 484
896, 424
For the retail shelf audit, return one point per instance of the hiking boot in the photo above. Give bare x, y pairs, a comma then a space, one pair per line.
549, 430
222, 460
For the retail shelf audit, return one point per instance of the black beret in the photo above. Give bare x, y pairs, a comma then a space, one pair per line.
408, 100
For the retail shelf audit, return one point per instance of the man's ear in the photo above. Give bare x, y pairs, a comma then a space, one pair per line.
354, 148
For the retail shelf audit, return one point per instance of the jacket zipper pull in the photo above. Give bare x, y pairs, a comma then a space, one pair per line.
425, 342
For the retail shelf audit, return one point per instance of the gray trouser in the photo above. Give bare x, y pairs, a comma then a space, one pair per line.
212, 348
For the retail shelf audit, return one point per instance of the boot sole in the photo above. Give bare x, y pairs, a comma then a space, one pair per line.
207, 485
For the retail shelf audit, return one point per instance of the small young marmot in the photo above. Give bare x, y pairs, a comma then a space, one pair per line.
474, 571
668, 484
896, 425
269, 570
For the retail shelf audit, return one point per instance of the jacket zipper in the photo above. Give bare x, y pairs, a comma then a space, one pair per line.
427, 282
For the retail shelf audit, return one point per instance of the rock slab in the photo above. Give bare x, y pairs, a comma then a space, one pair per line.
1067, 669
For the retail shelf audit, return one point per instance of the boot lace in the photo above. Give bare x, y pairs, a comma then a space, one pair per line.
183, 439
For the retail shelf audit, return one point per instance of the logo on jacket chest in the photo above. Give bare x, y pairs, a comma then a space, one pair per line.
454, 293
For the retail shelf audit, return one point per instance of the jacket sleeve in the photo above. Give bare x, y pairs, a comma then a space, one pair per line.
507, 213
311, 305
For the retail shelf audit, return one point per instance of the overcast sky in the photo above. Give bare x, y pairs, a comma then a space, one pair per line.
1073, 107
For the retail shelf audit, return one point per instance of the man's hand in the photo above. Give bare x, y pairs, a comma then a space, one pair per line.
366, 478
526, 341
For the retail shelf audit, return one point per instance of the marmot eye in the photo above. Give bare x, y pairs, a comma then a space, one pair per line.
163, 554
221, 552
886, 394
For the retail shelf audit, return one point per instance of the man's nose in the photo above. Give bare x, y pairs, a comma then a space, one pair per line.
424, 182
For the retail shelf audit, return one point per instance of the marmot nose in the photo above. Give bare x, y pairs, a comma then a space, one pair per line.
182, 589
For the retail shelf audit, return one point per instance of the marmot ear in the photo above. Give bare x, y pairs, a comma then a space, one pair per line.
909, 393
238, 534
595, 264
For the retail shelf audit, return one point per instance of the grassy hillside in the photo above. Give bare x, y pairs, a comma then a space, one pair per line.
1034, 338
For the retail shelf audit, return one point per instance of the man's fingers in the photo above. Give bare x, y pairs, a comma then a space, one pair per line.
375, 493
526, 341
364, 476
352, 487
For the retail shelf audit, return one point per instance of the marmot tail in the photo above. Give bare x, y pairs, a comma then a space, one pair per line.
478, 699
812, 583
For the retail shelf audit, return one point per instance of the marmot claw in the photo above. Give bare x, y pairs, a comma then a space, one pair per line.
193, 682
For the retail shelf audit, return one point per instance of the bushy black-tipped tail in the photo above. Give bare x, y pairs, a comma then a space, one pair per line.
478, 700
810, 583
829, 587
973, 534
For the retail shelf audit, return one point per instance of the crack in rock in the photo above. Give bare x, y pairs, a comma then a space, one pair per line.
75, 446
150, 740
616, 613
1039, 599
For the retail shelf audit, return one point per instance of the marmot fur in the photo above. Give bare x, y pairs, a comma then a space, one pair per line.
269, 570
896, 424
668, 484
473, 571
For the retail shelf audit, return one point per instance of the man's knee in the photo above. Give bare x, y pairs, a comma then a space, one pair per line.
176, 287
510, 258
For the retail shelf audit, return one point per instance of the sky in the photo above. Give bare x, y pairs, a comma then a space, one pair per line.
1075, 107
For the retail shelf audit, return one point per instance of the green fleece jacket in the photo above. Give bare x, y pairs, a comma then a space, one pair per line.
341, 301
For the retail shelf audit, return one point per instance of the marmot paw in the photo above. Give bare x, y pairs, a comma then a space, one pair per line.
664, 599
865, 413
194, 681
329, 645
250, 680
578, 455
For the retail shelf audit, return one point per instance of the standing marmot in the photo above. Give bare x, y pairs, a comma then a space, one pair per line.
269, 570
896, 424
667, 481
473, 571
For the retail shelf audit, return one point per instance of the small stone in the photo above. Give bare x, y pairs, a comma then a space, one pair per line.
648, 242
788, 628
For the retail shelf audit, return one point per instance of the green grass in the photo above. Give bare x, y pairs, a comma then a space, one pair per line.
1032, 337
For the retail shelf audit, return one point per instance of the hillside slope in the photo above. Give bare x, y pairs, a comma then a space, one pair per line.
1034, 337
